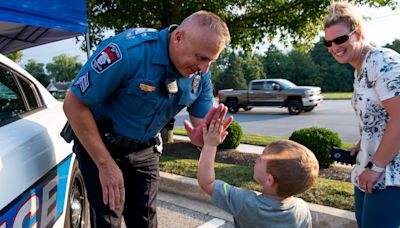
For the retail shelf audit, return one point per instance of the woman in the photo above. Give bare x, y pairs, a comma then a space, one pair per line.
376, 101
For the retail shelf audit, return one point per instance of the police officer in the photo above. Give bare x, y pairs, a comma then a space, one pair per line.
128, 90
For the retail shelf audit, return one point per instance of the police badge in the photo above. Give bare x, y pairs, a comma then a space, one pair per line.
195, 84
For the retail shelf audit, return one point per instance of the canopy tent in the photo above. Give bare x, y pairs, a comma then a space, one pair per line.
28, 23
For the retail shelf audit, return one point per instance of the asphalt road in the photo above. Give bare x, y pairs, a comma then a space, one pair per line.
336, 115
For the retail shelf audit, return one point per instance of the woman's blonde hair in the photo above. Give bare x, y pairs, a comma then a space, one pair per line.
342, 12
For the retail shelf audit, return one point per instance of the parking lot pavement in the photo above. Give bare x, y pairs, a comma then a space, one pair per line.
177, 211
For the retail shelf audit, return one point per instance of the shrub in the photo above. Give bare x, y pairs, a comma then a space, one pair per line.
319, 141
232, 140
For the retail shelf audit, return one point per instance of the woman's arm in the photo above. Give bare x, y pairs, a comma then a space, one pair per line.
390, 143
388, 147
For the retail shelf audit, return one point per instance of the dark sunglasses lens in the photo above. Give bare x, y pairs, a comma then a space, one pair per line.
341, 39
327, 43
337, 40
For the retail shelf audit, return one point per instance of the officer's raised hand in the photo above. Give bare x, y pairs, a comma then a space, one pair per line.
215, 113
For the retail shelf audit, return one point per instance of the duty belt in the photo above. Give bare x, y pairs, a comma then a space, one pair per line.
129, 144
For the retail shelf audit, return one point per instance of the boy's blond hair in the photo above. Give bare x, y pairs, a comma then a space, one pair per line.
342, 12
293, 166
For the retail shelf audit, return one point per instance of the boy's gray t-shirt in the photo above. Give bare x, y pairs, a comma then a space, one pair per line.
252, 210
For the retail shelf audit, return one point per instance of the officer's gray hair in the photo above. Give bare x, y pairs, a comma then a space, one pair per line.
211, 21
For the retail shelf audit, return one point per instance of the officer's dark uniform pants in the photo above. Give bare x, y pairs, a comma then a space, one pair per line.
141, 179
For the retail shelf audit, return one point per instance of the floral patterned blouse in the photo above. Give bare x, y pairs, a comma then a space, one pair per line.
379, 80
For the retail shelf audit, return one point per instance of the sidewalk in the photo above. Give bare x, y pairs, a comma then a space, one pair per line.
323, 216
243, 148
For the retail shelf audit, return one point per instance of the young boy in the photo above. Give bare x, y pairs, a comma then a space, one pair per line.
285, 168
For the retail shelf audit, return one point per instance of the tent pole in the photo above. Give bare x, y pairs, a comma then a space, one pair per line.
87, 45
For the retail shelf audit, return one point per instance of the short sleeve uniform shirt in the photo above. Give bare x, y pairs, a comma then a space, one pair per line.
123, 81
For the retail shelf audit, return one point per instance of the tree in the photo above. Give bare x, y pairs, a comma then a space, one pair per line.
16, 56
63, 67
252, 68
233, 77
37, 70
295, 21
276, 64
303, 71
395, 45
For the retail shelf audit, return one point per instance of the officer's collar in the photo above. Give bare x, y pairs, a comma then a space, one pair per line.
161, 54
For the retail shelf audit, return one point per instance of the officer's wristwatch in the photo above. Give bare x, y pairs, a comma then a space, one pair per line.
374, 167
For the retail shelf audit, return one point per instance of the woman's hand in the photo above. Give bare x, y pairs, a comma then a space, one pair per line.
367, 180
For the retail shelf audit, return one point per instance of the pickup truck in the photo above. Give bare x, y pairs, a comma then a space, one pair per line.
272, 92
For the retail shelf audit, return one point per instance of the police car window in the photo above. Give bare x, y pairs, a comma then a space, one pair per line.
29, 89
11, 100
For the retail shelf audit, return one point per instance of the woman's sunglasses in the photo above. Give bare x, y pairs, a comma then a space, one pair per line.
339, 40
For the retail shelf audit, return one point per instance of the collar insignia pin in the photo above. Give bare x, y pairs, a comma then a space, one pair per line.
195, 84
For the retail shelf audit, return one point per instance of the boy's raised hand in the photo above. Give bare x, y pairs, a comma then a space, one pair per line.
215, 134
215, 113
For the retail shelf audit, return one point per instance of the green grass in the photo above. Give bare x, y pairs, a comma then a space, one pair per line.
332, 95
326, 192
258, 140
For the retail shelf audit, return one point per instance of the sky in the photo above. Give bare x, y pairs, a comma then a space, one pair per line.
381, 28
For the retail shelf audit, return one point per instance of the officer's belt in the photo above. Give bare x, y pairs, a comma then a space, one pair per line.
129, 144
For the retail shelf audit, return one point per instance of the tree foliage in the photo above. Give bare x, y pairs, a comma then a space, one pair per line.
395, 45
233, 75
63, 67
234, 70
16, 56
37, 70
294, 21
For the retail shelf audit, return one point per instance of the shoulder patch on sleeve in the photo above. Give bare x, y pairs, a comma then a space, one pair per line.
106, 58
83, 82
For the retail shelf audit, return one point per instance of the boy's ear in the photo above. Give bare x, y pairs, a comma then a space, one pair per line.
270, 180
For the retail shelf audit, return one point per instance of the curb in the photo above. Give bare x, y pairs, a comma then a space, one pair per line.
322, 216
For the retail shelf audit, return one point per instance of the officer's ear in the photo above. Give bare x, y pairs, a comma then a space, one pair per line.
178, 36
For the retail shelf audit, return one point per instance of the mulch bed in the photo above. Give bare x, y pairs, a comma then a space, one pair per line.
184, 149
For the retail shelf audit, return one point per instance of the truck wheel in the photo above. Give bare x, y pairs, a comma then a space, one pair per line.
77, 210
308, 109
233, 106
247, 108
295, 107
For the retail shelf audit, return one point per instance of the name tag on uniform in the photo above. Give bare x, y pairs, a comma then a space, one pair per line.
147, 86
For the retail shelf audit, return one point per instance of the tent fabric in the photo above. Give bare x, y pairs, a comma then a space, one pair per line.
28, 23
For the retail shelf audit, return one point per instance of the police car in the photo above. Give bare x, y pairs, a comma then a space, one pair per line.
40, 181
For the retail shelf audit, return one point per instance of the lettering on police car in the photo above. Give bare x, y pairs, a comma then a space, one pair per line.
106, 58
83, 82
42, 204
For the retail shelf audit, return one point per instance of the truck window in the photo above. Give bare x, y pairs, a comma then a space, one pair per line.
258, 86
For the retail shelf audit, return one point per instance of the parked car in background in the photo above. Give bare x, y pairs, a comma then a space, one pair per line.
40, 181
272, 92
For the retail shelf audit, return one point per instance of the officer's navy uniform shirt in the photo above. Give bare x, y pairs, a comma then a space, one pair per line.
123, 81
